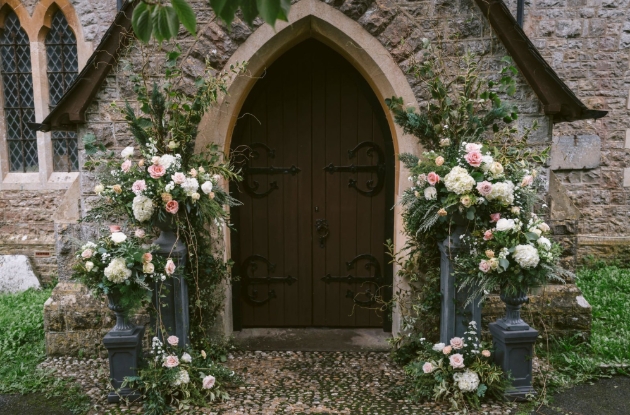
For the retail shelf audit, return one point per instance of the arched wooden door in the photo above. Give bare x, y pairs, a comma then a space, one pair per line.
317, 158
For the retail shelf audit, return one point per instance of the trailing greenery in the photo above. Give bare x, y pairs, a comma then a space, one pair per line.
22, 349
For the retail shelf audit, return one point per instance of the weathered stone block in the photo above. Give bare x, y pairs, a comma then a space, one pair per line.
16, 274
575, 152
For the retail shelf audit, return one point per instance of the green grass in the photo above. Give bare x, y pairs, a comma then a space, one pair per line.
22, 348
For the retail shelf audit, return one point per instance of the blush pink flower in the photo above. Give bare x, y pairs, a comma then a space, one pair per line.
474, 158
470, 147
140, 233
484, 188
433, 178
87, 253
208, 382
169, 268
485, 353
439, 160
457, 361
172, 207
178, 178
171, 362
457, 343
138, 186
173, 340
447, 349
484, 266
487, 235
527, 180
427, 367
147, 257
126, 166
155, 160
494, 217
156, 171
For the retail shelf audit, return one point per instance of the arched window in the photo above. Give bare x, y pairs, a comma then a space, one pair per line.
63, 66
17, 81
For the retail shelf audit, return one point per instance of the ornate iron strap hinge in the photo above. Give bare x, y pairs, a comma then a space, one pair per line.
270, 171
371, 298
372, 263
378, 168
250, 266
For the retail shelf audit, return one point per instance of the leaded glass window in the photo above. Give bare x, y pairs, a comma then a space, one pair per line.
63, 66
17, 82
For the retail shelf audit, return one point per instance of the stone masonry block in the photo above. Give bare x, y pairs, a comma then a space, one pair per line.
575, 152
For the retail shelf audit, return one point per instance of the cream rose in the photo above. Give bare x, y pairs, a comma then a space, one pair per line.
89, 266
485, 353
170, 268
427, 367
439, 161
118, 237
457, 343
148, 268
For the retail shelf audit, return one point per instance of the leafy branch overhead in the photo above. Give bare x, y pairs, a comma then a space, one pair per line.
161, 20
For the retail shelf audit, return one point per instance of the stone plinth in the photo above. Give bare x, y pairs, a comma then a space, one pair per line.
125, 352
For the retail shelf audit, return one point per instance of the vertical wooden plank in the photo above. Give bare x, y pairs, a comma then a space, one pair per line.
319, 186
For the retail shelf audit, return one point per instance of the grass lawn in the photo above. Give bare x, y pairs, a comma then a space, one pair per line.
22, 348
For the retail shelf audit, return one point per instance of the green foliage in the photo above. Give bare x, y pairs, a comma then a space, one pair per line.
161, 21
22, 349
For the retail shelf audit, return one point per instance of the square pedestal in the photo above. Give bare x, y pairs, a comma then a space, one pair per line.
513, 351
124, 356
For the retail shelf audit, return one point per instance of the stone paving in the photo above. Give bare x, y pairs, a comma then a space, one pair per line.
287, 383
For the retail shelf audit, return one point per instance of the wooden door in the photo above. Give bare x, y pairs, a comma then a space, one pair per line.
317, 159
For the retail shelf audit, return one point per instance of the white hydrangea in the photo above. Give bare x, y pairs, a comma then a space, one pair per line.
526, 256
467, 381
503, 192
166, 161
182, 377
142, 208
206, 187
459, 181
117, 271
190, 185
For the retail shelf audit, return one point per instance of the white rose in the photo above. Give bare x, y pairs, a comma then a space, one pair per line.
526, 256
438, 347
544, 242
505, 224
537, 231
89, 265
430, 193
206, 187
118, 237
496, 168
127, 152
148, 268
166, 160
544, 227
186, 358
195, 196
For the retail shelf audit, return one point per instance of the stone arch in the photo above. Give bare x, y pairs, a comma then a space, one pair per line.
314, 19
16, 7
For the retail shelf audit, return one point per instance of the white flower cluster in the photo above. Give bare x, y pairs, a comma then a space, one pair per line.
182, 378
503, 192
142, 208
459, 181
526, 256
190, 186
117, 271
467, 381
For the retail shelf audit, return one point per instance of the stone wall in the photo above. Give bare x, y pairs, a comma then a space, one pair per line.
26, 228
588, 43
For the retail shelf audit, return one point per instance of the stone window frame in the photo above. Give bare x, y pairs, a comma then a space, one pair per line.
37, 27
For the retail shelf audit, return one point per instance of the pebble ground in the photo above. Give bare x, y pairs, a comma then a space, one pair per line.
287, 383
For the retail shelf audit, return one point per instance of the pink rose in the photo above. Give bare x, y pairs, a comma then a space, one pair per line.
208, 382
156, 171
487, 235
171, 361
484, 188
427, 367
484, 266
527, 180
485, 353
169, 268
147, 257
178, 178
87, 253
139, 233
474, 158
172, 207
114, 228
173, 340
470, 147
494, 217
126, 166
457, 343
433, 178
457, 361
447, 349
138, 186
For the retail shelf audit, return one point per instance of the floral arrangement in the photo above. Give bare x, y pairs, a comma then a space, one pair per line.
461, 372
174, 377
118, 264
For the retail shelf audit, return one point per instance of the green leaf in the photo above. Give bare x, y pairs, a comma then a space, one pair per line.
250, 10
470, 215
285, 6
269, 10
478, 176
218, 5
142, 22
531, 236
167, 22
504, 263
186, 15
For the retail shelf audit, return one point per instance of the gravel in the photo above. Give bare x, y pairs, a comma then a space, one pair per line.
286, 383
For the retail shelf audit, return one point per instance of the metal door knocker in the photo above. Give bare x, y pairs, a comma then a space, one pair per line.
322, 230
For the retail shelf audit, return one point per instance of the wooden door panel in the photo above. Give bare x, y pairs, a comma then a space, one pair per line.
301, 122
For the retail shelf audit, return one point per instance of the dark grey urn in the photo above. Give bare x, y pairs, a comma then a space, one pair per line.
170, 297
454, 317
513, 341
124, 348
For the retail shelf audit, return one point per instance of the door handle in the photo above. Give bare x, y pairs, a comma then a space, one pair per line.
321, 225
